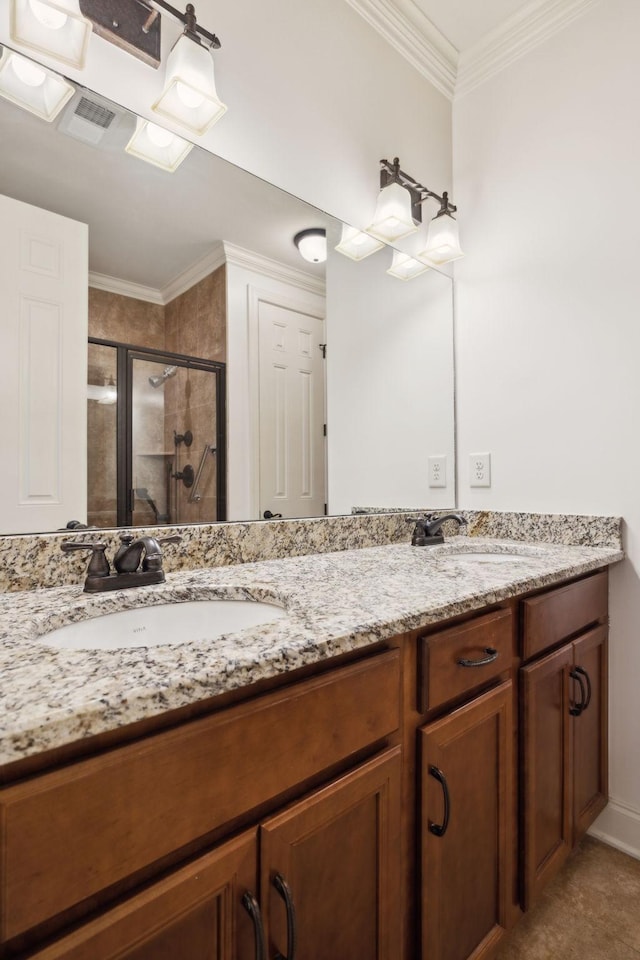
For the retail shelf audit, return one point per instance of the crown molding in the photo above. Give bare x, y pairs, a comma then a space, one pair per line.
194, 273
256, 263
532, 25
406, 28
125, 288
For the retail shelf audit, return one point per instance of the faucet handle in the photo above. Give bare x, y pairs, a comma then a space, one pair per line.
98, 564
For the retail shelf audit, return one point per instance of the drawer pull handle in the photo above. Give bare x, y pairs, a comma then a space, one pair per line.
583, 673
577, 709
283, 889
439, 829
491, 657
250, 904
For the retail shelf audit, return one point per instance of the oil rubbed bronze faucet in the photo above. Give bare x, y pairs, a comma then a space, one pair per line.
136, 562
427, 531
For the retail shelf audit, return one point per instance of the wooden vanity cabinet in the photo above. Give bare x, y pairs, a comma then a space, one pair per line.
467, 809
563, 703
329, 882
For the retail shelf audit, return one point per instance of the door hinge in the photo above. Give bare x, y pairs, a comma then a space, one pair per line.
323, 347
324, 429
326, 510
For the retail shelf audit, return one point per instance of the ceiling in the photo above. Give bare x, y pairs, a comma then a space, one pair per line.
465, 22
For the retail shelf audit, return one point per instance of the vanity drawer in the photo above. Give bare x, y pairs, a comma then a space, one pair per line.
71, 833
551, 617
463, 657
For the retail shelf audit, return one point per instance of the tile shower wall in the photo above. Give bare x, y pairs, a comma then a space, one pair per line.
193, 324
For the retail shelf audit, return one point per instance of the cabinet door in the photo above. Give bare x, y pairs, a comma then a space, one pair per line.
335, 857
196, 913
590, 786
467, 828
546, 769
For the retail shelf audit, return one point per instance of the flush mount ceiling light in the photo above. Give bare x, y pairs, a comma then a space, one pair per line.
189, 97
399, 213
405, 267
31, 87
356, 244
312, 244
56, 28
158, 146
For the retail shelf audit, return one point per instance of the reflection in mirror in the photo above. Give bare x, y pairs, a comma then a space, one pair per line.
199, 265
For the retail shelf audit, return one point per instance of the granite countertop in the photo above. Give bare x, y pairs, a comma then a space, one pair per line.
336, 602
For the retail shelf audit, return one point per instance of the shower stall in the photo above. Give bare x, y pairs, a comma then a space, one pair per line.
156, 444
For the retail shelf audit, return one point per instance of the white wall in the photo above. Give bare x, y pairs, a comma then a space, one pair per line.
389, 385
548, 339
315, 95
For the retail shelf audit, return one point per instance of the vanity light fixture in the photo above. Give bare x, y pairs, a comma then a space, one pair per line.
443, 240
312, 244
405, 267
32, 87
109, 394
356, 244
189, 97
399, 213
56, 28
158, 146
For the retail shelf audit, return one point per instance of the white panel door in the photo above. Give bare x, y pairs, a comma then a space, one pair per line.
292, 443
43, 387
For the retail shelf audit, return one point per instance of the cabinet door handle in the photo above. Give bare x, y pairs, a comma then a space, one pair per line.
284, 890
250, 904
583, 673
439, 829
491, 657
579, 707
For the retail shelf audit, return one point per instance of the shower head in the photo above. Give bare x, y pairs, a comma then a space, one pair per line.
163, 377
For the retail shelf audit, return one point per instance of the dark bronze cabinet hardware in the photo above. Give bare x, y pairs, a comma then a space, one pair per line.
283, 889
577, 709
250, 904
491, 657
583, 673
439, 829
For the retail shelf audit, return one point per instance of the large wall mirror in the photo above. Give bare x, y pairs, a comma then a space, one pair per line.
222, 376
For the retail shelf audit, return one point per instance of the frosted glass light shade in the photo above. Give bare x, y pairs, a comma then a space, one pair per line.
443, 241
312, 244
405, 267
392, 219
189, 97
356, 244
158, 146
53, 27
32, 87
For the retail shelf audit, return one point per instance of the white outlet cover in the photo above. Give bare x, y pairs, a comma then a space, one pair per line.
479, 469
437, 471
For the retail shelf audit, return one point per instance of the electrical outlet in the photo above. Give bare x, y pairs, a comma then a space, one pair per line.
479, 469
438, 471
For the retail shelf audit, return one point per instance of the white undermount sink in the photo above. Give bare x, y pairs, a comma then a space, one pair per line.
164, 624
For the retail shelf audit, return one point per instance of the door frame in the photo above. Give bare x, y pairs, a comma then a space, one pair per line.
309, 307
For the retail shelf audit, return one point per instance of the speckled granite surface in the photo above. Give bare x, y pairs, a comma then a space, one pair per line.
336, 602
32, 561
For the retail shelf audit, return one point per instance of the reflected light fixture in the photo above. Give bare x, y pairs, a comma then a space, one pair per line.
32, 87
356, 244
400, 213
189, 97
405, 267
158, 146
56, 28
443, 240
312, 244
109, 394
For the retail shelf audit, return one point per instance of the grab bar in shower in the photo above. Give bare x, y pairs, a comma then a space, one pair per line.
195, 496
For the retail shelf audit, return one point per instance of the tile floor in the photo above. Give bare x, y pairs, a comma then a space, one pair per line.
591, 911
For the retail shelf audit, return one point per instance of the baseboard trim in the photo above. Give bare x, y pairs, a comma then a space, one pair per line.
619, 826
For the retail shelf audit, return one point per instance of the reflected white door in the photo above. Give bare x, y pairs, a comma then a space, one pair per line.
43, 387
292, 386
